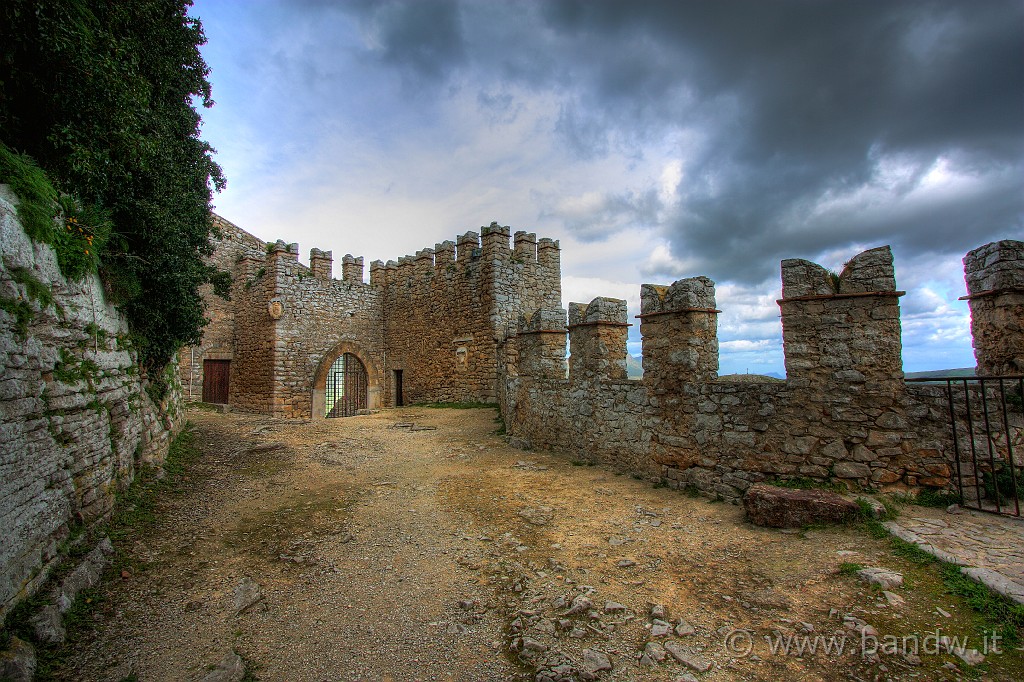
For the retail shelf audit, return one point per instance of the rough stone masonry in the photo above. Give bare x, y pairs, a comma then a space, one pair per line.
481, 320
76, 422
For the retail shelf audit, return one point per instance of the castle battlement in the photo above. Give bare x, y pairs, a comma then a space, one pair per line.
843, 412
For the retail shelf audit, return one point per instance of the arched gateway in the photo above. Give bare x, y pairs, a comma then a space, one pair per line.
346, 383
345, 389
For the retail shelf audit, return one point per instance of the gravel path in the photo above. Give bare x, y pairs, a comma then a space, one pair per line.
414, 544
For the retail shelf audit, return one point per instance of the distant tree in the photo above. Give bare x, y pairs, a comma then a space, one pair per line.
101, 95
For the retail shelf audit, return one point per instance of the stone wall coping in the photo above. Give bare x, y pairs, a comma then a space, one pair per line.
541, 331
976, 377
992, 292
644, 316
599, 324
853, 294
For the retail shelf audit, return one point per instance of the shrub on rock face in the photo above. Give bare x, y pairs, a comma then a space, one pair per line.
775, 507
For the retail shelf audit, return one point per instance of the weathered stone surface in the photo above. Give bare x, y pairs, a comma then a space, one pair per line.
247, 594
776, 507
18, 662
231, 668
48, 625
851, 470
688, 656
883, 577
77, 422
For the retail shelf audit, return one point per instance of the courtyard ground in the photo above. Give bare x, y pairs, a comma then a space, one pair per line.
415, 544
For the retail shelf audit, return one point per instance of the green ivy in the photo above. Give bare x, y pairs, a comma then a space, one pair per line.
100, 94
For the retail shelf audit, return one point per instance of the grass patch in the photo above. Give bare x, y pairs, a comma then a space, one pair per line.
939, 499
996, 612
849, 568
1006, 616
21, 311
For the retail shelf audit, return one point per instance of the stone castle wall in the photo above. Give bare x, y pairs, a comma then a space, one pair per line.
75, 419
447, 309
995, 290
844, 411
438, 317
232, 247
313, 320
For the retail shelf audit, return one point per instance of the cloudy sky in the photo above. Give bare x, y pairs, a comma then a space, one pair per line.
656, 140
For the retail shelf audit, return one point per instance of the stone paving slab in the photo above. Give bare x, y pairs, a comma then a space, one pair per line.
988, 548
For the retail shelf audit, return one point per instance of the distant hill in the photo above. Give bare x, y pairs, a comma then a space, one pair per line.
962, 372
634, 367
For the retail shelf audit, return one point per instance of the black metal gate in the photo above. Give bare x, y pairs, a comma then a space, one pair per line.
986, 416
346, 387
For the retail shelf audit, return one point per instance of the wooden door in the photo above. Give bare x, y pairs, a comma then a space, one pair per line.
215, 381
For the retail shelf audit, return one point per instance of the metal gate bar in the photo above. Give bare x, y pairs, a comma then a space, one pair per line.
991, 491
346, 387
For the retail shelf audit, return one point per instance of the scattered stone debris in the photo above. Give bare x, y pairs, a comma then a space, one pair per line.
688, 656
264, 448
595, 661
529, 466
580, 604
883, 577
539, 516
18, 661
653, 654
231, 668
893, 598
247, 594
775, 507
684, 629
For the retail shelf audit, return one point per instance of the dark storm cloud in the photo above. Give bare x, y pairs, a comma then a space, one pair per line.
796, 104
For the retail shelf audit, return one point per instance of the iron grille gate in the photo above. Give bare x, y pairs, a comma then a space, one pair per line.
986, 417
346, 387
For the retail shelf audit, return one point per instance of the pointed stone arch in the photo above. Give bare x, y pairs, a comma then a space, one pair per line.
373, 389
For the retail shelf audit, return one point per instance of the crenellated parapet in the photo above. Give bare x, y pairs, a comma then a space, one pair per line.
597, 340
679, 325
524, 246
494, 243
282, 251
444, 255
352, 269
468, 247
321, 263
549, 253
843, 329
541, 344
995, 291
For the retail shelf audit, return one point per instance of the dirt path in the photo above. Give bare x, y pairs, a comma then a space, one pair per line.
414, 544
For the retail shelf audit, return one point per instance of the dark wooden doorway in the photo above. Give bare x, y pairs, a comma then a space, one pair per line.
346, 387
399, 400
215, 381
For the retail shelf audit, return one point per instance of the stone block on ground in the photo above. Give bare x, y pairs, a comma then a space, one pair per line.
18, 661
230, 669
883, 577
775, 507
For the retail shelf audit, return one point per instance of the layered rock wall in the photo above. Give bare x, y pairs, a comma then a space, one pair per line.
76, 422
